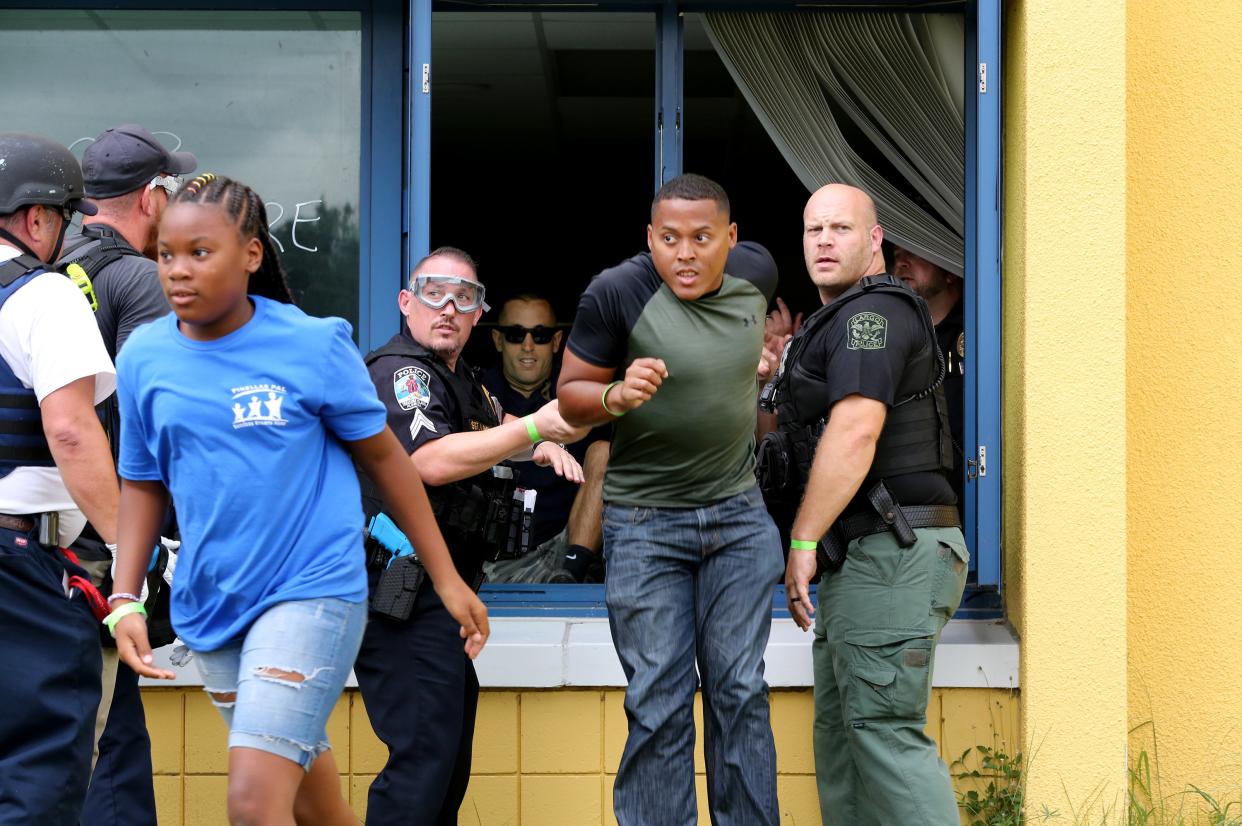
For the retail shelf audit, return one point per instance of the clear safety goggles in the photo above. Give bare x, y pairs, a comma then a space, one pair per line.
437, 290
169, 183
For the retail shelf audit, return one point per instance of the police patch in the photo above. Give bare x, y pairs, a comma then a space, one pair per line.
866, 331
412, 387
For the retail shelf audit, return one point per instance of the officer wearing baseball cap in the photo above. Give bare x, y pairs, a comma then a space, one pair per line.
125, 158
131, 177
55, 471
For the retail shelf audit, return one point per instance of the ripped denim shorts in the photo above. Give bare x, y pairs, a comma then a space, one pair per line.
276, 687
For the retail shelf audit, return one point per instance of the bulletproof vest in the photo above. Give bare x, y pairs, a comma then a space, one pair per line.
22, 442
916, 435
480, 508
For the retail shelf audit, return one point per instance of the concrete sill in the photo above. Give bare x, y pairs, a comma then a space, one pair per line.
555, 652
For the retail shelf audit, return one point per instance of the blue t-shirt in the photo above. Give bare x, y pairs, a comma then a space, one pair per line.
246, 432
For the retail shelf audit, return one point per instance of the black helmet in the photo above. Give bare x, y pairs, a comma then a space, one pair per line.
36, 170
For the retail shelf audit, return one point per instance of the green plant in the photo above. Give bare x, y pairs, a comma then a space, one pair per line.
1001, 802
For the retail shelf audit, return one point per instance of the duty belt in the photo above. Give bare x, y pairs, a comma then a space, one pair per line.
919, 516
887, 516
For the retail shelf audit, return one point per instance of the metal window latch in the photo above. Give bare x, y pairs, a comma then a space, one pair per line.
426, 78
983, 78
976, 468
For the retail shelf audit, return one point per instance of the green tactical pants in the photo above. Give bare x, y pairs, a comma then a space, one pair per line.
876, 629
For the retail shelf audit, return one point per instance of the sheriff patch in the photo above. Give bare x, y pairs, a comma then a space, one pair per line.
866, 331
412, 388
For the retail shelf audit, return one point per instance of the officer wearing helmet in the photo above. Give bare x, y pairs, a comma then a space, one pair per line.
56, 471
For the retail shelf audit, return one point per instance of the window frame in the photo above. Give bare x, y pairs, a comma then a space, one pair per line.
380, 172
395, 201
983, 306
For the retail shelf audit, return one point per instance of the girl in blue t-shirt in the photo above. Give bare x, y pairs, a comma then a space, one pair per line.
251, 414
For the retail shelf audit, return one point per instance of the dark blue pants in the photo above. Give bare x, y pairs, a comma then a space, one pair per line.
122, 792
421, 694
49, 685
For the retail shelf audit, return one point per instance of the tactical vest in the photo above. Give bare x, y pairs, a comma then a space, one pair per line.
22, 442
916, 435
480, 509
84, 269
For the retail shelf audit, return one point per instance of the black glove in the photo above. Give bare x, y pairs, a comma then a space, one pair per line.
575, 565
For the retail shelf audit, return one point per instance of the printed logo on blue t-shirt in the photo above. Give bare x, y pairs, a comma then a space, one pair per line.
258, 404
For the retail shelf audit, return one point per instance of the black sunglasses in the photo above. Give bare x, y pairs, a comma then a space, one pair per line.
516, 333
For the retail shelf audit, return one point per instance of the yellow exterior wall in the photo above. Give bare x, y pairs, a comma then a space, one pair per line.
1064, 388
541, 758
1183, 351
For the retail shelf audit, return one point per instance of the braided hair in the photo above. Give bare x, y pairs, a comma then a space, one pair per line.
245, 208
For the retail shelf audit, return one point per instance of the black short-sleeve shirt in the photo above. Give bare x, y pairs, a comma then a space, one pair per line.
693, 442
867, 350
421, 408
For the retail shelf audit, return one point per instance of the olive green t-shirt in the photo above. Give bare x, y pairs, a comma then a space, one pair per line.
693, 443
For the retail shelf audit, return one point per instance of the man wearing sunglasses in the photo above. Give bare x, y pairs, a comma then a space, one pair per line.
130, 176
420, 688
568, 530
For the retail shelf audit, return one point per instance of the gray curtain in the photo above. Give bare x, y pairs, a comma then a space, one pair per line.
896, 80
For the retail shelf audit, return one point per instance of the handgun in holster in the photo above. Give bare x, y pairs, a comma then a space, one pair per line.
400, 572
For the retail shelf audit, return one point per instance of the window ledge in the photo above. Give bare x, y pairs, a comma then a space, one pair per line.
556, 652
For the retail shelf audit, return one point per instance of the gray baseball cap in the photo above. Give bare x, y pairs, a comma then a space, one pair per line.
126, 158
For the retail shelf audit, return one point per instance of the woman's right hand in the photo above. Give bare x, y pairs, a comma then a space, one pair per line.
465, 606
134, 648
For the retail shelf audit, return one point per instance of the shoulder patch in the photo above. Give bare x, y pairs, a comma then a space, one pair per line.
866, 331
412, 388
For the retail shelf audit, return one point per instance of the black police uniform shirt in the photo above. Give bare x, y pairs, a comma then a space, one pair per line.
870, 361
556, 494
951, 336
420, 408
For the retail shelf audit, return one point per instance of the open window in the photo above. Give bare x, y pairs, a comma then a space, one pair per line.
550, 129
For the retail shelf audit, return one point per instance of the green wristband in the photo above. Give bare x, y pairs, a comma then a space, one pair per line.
604, 400
531, 430
120, 613
803, 545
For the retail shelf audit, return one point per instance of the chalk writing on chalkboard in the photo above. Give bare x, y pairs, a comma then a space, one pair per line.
304, 212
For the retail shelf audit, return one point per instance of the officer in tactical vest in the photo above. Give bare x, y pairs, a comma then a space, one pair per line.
420, 689
943, 292
55, 472
863, 441
130, 176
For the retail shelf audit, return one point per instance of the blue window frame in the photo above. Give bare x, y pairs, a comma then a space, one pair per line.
380, 170
983, 312
394, 207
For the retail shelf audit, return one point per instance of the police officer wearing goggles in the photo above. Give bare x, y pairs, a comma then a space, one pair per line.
877, 518
55, 471
420, 690
130, 176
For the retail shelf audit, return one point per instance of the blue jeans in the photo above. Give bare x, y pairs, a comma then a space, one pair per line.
276, 687
689, 585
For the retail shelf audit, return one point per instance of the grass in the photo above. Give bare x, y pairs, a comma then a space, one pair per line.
999, 796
